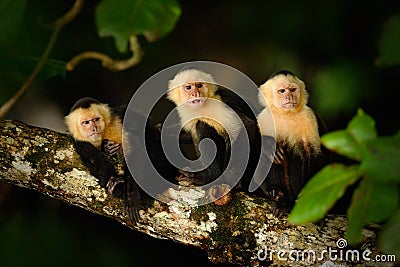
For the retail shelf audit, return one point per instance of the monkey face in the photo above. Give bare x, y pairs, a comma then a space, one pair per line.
286, 94
92, 127
194, 94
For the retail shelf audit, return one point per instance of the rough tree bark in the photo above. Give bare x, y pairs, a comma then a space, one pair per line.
244, 232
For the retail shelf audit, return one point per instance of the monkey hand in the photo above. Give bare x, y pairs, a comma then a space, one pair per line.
110, 147
269, 145
131, 209
220, 195
114, 185
274, 194
281, 207
158, 127
279, 156
185, 178
132, 199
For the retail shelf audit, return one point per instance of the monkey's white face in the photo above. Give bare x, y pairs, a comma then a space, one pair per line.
92, 127
194, 94
286, 94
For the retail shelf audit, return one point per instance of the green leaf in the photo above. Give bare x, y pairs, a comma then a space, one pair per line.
383, 202
124, 18
322, 191
26, 65
389, 54
11, 13
362, 127
342, 143
381, 161
357, 215
372, 202
389, 238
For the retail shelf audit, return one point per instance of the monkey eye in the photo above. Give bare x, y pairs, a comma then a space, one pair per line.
85, 122
199, 85
96, 119
281, 91
188, 87
292, 89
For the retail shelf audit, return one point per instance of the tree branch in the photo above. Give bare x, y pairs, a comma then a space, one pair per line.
240, 233
108, 62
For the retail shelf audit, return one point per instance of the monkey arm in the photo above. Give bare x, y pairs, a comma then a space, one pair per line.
264, 162
110, 147
217, 165
132, 197
174, 130
96, 161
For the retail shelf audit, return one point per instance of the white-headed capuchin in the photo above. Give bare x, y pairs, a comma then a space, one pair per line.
97, 130
92, 123
298, 154
208, 111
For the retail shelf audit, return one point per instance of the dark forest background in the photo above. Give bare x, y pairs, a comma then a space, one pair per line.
334, 46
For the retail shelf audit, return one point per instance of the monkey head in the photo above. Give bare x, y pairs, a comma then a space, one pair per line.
191, 87
283, 91
88, 120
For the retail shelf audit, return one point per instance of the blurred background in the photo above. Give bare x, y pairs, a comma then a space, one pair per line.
347, 53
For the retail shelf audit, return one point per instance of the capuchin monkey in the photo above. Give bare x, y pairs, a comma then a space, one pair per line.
92, 124
297, 132
98, 130
207, 110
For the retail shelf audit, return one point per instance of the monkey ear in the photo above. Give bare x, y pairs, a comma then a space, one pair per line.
71, 121
173, 95
304, 94
261, 99
263, 94
170, 84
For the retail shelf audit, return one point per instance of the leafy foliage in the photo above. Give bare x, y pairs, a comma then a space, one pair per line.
24, 36
25, 65
123, 18
321, 193
382, 163
372, 202
376, 198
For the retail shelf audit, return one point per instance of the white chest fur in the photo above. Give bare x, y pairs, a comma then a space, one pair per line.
215, 113
294, 128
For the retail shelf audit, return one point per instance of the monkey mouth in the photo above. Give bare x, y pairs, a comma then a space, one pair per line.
94, 135
289, 105
195, 102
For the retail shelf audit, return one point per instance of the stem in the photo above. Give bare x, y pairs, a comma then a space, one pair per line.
108, 62
57, 26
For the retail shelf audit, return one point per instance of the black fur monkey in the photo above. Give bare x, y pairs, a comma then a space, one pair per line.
191, 91
91, 123
97, 130
298, 154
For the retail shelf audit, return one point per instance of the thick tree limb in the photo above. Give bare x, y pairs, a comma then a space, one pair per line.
240, 233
